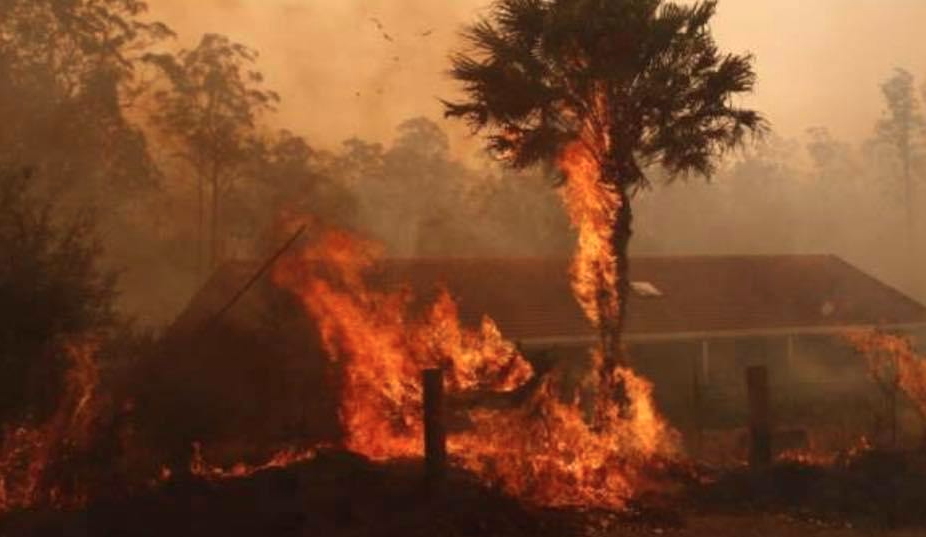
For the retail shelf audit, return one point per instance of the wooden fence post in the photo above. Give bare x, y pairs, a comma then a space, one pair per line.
435, 433
696, 403
760, 429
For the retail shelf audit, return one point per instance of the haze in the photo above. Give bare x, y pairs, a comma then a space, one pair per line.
339, 77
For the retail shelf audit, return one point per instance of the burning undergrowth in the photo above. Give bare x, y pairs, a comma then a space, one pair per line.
33, 458
546, 449
527, 435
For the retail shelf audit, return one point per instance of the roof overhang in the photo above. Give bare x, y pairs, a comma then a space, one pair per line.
588, 340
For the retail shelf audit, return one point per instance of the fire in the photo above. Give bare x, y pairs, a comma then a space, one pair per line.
544, 451
30, 457
384, 347
200, 468
592, 206
893, 362
547, 451
818, 456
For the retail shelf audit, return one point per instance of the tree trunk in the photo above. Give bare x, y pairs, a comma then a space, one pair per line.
612, 322
623, 230
910, 220
200, 231
612, 326
214, 239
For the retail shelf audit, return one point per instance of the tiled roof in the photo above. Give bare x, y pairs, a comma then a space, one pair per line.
531, 299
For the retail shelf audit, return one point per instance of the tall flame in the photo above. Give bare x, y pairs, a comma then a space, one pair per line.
592, 205
384, 347
544, 450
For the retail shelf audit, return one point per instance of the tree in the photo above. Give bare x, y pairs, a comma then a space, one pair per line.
290, 177
211, 110
634, 83
69, 70
51, 288
902, 129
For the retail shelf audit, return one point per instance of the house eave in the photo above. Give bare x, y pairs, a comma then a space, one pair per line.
588, 340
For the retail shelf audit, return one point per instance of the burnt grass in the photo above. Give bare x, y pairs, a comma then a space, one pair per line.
335, 494
876, 490
339, 494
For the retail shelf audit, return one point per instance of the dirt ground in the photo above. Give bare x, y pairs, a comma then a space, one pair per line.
340, 495
763, 525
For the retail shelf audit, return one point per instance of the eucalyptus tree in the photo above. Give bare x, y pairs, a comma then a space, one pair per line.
903, 129
211, 109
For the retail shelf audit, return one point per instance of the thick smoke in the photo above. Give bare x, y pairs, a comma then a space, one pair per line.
813, 64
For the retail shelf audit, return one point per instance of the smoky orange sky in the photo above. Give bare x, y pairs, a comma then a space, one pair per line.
820, 62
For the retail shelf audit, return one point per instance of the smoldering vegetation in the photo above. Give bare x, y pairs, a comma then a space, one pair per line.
135, 171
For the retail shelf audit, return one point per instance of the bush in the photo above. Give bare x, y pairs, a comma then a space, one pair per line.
51, 288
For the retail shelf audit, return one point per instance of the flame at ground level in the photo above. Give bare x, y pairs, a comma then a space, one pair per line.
30, 456
281, 459
544, 450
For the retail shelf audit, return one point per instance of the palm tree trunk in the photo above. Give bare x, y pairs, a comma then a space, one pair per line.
612, 327
623, 230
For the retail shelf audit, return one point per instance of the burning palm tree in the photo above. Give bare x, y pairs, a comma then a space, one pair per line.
606, 88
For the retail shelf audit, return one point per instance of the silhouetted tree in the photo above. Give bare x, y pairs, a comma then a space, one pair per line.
903, 128
69, 69
51, 288
212, 110
645, 75
292, 177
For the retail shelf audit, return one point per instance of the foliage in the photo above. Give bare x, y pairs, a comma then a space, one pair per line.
211, 110
51, 288
619, 85
69, 70
538, 69
418, 199
299, 179
903, 127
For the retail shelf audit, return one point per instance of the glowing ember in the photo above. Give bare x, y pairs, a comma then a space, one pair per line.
29, 456
544, 450
816, 456
200, 468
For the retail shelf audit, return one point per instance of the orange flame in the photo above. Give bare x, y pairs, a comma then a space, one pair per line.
281, 459
816, 456
384, 347
544, 451
892, 360
592, 206
28, 453
548, 453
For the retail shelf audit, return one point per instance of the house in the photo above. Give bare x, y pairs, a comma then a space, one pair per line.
694, 322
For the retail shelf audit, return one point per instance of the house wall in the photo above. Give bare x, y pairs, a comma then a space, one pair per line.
817, 382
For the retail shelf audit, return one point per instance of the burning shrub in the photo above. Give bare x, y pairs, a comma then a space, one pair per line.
895, 366
51, 288
544, 451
